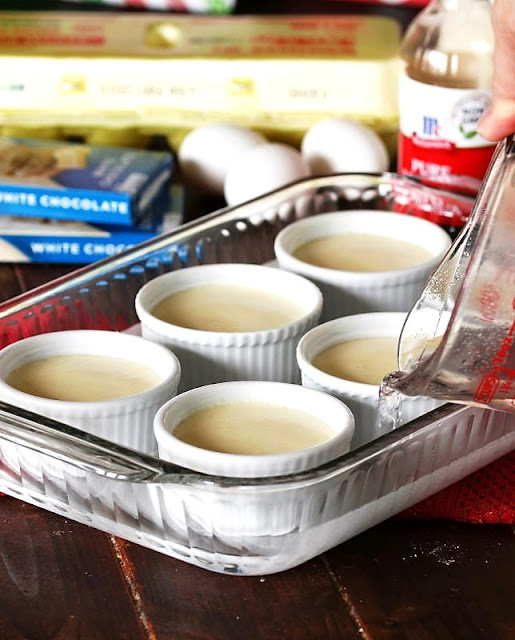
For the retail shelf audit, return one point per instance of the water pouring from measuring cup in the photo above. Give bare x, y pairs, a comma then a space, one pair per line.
458, 341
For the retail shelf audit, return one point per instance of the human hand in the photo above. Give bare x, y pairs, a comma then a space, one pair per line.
499, 120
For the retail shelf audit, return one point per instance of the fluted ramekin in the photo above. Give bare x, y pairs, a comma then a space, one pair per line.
362, 399
127, 421
242, 516
353, 292
320, 406
210, 356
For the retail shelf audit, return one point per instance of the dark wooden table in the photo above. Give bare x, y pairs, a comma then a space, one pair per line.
403, 579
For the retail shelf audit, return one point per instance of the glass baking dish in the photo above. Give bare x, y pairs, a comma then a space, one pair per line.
229, 525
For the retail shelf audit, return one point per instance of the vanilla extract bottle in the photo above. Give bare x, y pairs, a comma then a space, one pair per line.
444, 89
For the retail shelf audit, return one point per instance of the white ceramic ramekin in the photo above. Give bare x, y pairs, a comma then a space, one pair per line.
350, 292
325, 408
240, 515
362, 399
127, 421
207, 356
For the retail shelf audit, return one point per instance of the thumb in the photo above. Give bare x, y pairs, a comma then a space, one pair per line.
499, 120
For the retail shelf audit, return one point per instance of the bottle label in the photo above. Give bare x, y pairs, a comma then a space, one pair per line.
438, 130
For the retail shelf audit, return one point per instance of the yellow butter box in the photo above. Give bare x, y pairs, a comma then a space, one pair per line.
118, 78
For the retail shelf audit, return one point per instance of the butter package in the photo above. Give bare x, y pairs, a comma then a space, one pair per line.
112, 77
74, 242
67, 181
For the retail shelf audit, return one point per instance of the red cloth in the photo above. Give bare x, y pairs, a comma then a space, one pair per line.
486, 496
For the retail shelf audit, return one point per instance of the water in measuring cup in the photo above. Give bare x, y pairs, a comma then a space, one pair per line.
476, 366
451, 383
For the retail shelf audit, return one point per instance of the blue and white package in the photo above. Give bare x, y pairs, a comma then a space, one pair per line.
24, 240
67, 181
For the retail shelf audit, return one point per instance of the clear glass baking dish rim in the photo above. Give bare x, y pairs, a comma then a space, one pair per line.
91, 453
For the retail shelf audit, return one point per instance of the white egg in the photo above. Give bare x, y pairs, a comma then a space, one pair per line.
263, 169
207, 153
338, 145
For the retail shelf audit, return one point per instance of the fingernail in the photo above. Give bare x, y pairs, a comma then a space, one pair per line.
482, 124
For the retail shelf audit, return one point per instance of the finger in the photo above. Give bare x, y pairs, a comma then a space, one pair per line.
499, 120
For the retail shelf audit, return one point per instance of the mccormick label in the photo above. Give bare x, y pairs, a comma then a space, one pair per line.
438, 130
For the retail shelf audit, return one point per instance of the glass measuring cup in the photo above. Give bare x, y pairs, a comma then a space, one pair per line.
458, 341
